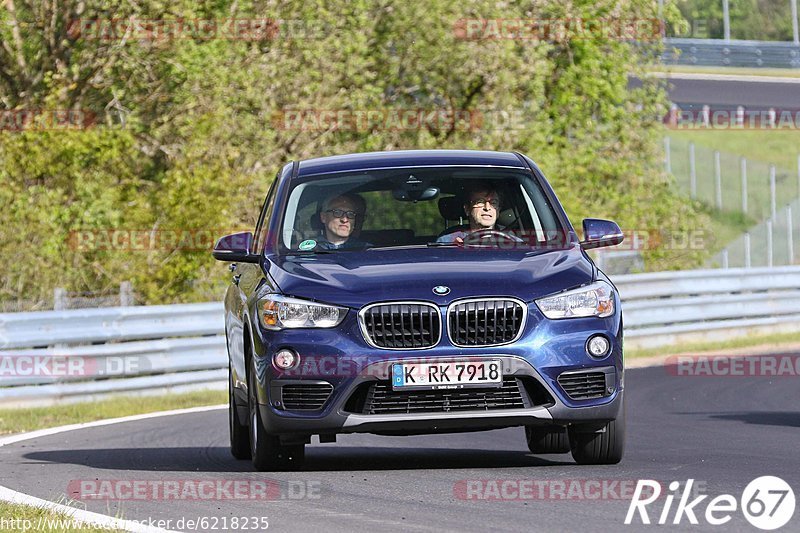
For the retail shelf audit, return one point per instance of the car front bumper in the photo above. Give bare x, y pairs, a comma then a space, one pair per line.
335, 417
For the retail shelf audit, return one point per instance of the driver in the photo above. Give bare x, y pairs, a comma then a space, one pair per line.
481, 207
341, 216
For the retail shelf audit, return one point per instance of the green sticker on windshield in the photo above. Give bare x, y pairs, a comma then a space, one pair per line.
310, 244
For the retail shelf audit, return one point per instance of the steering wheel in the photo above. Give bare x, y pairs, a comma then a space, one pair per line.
480, 237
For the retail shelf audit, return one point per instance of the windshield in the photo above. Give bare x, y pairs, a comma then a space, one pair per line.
425, 206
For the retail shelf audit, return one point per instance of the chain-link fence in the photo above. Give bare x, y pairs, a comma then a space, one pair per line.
770, 243
728, 182
764, 192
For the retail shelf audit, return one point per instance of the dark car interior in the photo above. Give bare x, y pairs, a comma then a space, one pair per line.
416, 206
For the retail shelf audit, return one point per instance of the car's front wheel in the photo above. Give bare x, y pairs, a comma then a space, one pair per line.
600, 448
267, 451
240, 440
547, 439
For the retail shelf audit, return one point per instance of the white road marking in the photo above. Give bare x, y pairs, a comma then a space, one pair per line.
80, 515
107, 422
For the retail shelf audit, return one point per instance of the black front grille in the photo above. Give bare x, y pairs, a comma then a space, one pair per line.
583, 385
402, 325
485, 322
305, 397
381, 399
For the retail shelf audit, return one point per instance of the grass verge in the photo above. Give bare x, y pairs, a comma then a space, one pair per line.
17, 420
758, 344
26, 518
779, 147
730, 71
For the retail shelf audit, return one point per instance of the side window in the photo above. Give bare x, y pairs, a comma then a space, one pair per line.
262, 227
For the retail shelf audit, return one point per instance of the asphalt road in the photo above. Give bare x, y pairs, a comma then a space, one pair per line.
722, 432
733, 92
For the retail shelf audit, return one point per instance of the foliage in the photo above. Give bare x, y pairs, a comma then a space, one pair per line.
761, 20
189, 130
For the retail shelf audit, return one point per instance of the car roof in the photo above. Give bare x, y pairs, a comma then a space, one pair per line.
408, 158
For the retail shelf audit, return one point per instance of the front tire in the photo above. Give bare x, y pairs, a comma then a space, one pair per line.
547, 439
268, 453
240, 440
606, 448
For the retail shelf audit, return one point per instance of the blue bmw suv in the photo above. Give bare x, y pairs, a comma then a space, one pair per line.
412, 292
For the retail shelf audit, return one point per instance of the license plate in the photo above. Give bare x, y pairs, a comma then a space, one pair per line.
450, 375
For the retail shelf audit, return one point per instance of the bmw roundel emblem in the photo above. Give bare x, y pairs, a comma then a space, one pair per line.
441, 290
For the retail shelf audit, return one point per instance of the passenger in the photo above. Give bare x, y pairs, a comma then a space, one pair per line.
341, 216
481, 207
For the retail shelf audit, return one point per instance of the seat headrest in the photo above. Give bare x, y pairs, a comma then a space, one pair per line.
451, 208
315, 222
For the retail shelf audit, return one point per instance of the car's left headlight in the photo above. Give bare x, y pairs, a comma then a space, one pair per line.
596, 299
279, 312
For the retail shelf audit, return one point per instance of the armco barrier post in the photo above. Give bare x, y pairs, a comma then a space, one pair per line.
747, 263
772, 200
726, 20
769, 242
717, 180
692, 173
789, 234
59, 299
743, 167
125, 294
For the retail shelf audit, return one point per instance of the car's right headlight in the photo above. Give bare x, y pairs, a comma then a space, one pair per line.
596, 299
282, 312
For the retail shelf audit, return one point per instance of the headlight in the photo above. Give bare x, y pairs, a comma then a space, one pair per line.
596, 299
281, 312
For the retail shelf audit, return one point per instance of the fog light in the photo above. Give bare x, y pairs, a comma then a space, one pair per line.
285, 359
598, 346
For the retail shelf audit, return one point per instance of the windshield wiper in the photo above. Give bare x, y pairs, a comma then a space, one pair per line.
438, 244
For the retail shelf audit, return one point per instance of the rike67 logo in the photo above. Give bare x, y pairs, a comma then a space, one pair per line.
767, 503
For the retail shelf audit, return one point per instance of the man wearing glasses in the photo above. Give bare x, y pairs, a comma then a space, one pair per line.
341, 216
481, 208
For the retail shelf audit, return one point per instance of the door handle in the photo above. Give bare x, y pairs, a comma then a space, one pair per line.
236, 278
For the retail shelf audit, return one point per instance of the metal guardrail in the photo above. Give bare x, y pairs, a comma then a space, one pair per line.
90, 353
732, 53
142, 349
685, 307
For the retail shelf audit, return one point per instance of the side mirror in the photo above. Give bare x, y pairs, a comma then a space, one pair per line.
598, 233
235, 248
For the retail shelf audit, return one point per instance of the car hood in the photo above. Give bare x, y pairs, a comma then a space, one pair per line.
354, 279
